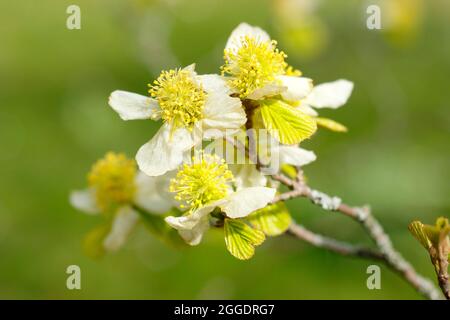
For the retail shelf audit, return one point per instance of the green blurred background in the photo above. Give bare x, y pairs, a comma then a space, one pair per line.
55, 122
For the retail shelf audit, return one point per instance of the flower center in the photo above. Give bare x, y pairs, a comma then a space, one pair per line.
181, 99
113, 180
253, 65
204, 181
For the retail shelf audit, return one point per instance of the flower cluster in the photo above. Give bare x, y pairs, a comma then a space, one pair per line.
258, 106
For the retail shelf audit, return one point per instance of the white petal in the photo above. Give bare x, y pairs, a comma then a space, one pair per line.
223, 112
330, 95
243, 202
267, 91
235, 40
192, 227
84, 200
195, 235
182, 222
215, 83
246, 175
152, 193
297, 87
296, 156
133, 106
187, 222
164, 152
190, 68
123, 224
307, 109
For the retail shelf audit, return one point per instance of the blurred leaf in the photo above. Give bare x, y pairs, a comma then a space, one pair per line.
442, 224
241, 239
331, 125
285, 123
433, 234
93, 241
159, 228
273, 220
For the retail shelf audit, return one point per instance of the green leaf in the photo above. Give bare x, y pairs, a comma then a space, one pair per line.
417, 230
331, 125
241, 239
156, 225
273, 220
289, 170
433, 234
93, 241
443, 225
286, 123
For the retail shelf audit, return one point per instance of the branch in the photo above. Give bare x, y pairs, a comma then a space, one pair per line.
362, 215
331, 244
442, 274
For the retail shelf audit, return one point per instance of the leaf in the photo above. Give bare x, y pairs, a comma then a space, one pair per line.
443, 225
156, 225
273, 220
286, 123
241, 239
289, 170
435, 238
93, 241
417, 230
331, 125
433, 234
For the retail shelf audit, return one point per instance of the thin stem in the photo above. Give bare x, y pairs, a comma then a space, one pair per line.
442, 274
362, 215
283, 179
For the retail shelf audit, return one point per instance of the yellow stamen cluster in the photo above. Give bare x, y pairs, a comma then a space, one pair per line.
253, 65
113, 180
290, 71
180, 97
204, 181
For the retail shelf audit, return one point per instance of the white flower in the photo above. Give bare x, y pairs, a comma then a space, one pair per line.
114, 189
257, 68
187, 103
204, 186
273, 77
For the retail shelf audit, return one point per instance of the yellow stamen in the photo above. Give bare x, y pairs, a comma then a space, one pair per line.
253, 65
204, 181
113, 180
290, 71
180, 97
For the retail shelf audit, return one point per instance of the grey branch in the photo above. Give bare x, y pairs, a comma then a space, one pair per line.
362, 215
331, 244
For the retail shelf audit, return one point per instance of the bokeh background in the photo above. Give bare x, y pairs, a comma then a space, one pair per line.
55, 122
